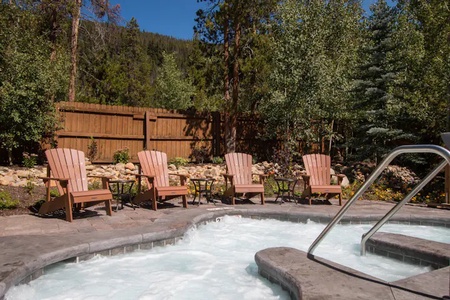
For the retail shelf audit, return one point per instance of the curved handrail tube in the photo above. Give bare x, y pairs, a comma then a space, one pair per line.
443, 152
399, 205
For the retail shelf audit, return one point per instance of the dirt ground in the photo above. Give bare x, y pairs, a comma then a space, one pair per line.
26, 198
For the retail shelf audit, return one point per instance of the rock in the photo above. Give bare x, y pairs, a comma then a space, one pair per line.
120, 166
23, 173
130, 166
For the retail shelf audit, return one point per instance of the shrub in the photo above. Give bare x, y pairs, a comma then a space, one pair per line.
217, 160
30, 187
6, 201
200, 154
92, 153
29, 160
270, 186
179, 161
121, 156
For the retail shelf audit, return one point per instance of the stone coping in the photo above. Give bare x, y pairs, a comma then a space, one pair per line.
410, 249
25, 258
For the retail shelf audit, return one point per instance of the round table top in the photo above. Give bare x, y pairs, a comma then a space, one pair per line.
284, 179
121, 181
202, 179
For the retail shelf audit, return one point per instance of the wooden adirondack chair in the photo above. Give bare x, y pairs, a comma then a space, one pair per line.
239, 175
153, 168
67, 168
318, 177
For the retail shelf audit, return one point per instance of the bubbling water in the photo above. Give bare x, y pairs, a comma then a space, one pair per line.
215, 261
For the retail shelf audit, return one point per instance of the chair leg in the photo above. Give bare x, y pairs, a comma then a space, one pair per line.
69, 216
340, 199
262, 199
154, 196
154, 204
233, 200
185, 204
108, 207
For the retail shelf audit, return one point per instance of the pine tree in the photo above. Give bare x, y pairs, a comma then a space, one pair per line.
376, 130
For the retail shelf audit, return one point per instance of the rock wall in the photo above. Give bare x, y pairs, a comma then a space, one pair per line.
30, 176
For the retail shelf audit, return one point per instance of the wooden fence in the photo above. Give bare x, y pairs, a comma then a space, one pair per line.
114, 128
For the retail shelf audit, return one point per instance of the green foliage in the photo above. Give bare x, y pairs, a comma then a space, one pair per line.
179, 161
230, 30
92, 153
217, 160
375, 102
315, 49
121, 156
29, 160
30, 81
172, 90
6, 200
95, 185
54, 193
116, 71
270, 186
30, 187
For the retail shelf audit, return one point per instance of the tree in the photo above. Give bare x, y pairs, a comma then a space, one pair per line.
427, 85
172, 91
315, 49
230, 24
101, 8
29, 78
375, 100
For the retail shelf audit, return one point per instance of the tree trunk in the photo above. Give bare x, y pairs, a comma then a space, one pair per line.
53, 33
229, 144
73, 49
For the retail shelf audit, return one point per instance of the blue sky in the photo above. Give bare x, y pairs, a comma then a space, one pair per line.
170, 17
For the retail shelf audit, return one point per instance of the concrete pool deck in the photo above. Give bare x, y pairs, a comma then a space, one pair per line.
29, 243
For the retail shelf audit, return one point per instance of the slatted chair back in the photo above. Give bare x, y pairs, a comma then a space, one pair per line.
70, 164
240, 166
154, 163
318, 168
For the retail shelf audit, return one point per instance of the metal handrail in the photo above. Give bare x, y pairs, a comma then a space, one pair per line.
397, 151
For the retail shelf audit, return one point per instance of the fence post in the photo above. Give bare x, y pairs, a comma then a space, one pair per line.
148, 118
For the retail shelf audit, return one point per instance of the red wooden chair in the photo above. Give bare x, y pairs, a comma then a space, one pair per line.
153, 169
318, 177
67, 168
239, 175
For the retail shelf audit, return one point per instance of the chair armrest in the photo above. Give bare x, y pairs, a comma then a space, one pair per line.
339, 176
228, 177
142, 175
262, 177
105, 180
63, 181
183, 178
100, 176
180, 175
305, 180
